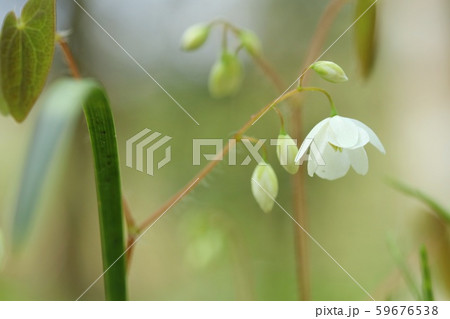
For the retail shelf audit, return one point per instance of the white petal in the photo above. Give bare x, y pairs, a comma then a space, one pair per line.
312, 165
363, 138
308, 139
336, 165
343, 132
374, 140
315, 159
358, 160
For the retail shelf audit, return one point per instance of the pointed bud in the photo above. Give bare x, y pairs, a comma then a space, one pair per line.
329, 71
195, 36
286, 152
250, 42
226, 76
264, 186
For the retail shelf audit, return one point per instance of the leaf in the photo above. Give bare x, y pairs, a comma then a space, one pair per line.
61, 108
3, 106
431, 203
26, 53
427, 288
63, 102
104, 146
365, 35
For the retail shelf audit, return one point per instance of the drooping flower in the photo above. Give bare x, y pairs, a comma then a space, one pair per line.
335, 144
264, 186
286, 152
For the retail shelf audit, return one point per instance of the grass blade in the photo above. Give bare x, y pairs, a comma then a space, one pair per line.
104, 146
427, 288
427, 200
64, 101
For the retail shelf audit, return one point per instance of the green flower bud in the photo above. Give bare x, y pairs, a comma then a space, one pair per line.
286, 152
329, 71
264, 186
250, 42
195, 36
226, 76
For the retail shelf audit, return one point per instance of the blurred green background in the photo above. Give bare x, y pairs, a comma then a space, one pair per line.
216, 244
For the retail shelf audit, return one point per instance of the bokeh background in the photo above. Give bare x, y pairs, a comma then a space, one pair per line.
216, 244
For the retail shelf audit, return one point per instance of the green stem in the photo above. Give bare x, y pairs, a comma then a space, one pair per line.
333, 107
225, 37
255, 140
103, 139
282, 129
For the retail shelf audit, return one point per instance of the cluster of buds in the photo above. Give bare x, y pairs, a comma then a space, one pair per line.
339, 141
226, 75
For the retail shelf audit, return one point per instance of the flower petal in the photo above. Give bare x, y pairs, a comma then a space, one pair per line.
336, 161
359, 161
363, 138
315, 157
343, 132
309, 138
374, 140
312, 165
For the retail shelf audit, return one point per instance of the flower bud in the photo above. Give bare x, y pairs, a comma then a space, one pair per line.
195, 36
250, 42
264, 186
286, 152
329, 71
226, 76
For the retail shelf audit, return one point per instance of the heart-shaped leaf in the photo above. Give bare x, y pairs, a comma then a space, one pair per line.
3, 106
26, 53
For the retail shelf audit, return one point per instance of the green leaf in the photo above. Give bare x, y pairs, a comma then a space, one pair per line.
26, 52
427, 200
365, 35
427, 288
104, 146
3, 106
63, 98
61, 108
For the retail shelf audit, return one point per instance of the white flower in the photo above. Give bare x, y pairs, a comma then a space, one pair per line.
340, 143
264, 186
